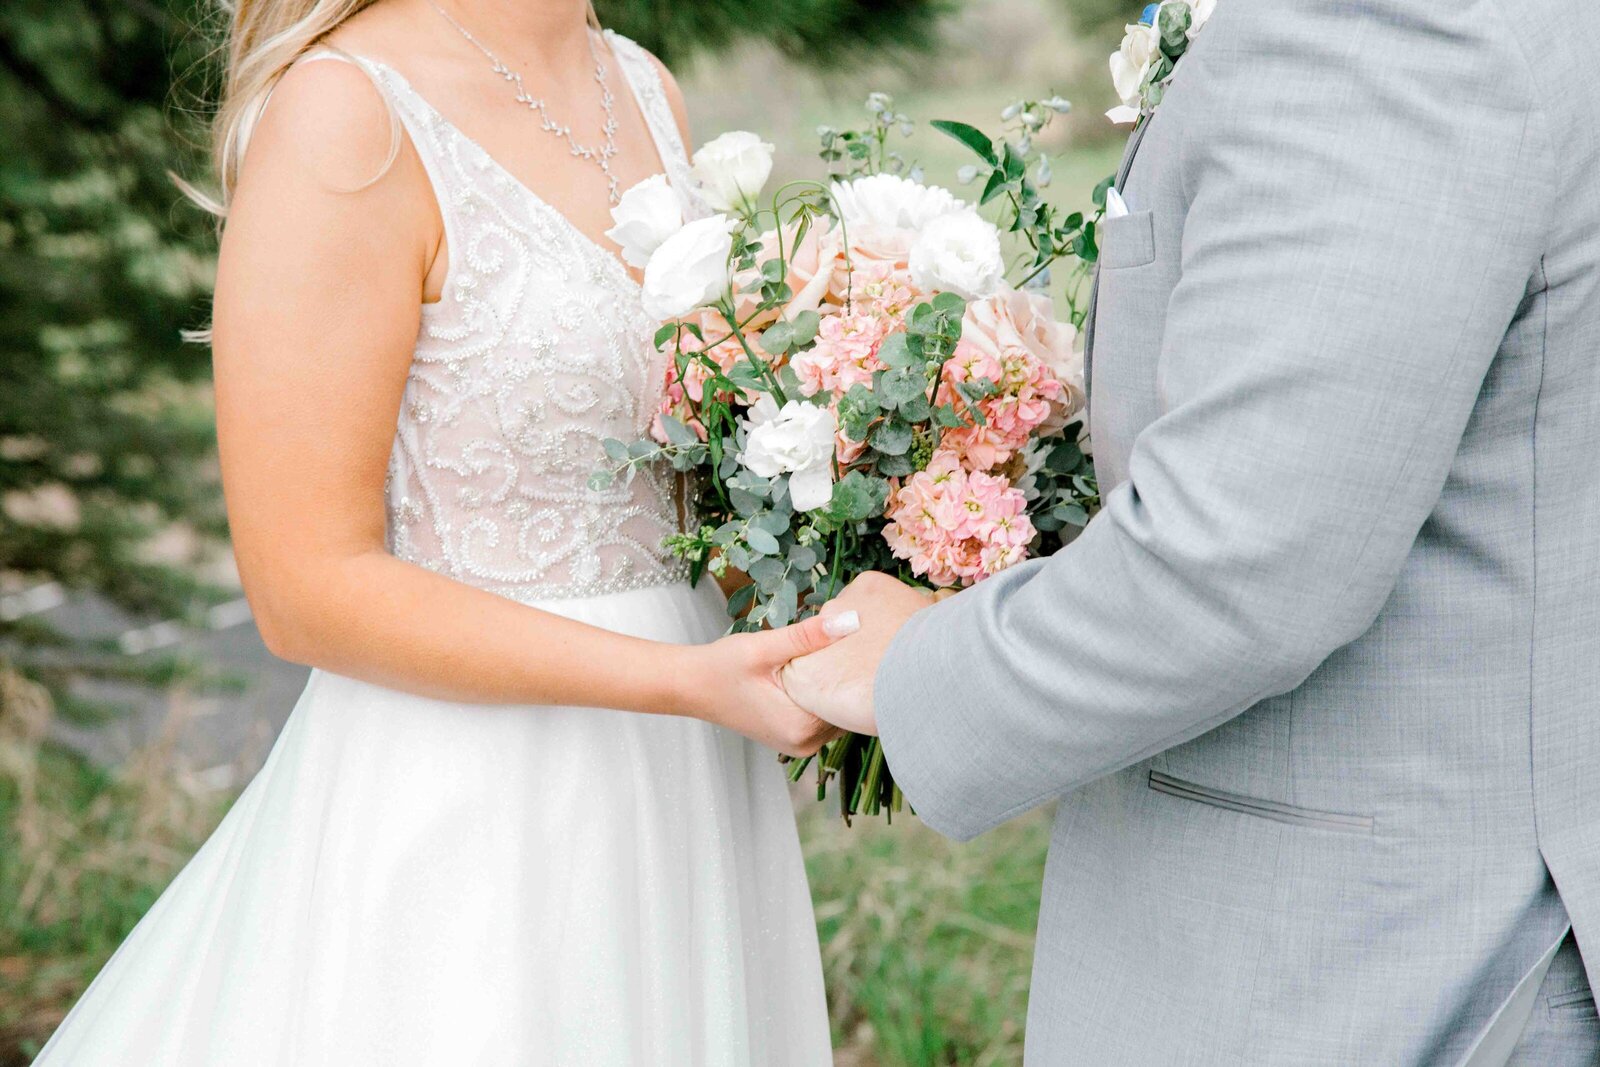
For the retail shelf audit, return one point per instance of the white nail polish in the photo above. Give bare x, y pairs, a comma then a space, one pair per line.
841, 625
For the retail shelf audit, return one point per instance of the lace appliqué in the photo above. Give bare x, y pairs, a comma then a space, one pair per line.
538, 350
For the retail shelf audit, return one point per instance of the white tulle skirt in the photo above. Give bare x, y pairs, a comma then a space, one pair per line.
410, 881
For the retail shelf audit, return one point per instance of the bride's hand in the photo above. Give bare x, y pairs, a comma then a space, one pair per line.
733, 682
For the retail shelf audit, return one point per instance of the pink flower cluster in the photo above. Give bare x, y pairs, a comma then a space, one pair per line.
1011, 416
846, 349
956, 526
845, 353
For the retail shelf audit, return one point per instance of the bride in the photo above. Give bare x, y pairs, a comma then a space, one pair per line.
422, 335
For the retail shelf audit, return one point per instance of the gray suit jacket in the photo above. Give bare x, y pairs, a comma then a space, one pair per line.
1319, 688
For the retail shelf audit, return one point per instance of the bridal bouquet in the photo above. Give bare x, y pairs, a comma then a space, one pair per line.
866, 373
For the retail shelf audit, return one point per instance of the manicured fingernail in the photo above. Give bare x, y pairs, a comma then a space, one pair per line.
841, 625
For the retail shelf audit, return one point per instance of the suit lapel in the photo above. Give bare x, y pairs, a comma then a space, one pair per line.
1123, 168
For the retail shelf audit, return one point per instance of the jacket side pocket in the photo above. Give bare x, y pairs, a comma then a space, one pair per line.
1261, 809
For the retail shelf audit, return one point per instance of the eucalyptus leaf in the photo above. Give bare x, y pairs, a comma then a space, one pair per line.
902, 386
768, 573
895, 466
892, 437
895, 351
741, 599
1064, 458
775, 523
761, 541
784, 605
777, 338
1072, 514
805, 327
746, 504
677, 433
918, 410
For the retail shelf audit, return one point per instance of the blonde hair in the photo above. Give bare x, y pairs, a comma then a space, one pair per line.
264, 39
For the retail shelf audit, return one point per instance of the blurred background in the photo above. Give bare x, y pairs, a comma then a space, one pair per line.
135, 696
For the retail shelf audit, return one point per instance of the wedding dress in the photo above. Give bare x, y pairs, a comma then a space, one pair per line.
411, 881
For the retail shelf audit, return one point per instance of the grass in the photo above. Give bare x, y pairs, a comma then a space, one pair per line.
927, 945
83, 854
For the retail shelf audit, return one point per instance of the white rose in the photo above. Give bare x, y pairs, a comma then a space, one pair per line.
796, 439
690, 268
1130, 64
1199, 12
891, 202
731, 170
647, 215
960, 254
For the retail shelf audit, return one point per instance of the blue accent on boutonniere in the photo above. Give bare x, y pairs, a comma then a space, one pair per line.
1147, 17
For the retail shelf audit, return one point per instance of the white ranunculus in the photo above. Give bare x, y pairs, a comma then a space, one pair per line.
731, 170
1199, 12
796, 439
647, 215
690, 269
959, 253
891, 202
1131, 63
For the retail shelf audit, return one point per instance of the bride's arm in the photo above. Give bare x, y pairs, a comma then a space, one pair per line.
317, 311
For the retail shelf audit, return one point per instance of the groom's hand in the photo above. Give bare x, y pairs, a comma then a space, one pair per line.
835, 684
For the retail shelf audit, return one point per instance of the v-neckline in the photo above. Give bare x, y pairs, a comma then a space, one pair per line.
584, 239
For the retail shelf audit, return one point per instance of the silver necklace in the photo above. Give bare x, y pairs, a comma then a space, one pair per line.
600, 156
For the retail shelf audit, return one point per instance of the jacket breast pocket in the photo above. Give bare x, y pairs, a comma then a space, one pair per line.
1127, 240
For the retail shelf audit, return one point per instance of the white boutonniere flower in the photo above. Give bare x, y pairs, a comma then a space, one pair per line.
1150, 50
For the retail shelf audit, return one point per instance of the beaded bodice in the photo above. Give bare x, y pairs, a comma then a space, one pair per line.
538, 350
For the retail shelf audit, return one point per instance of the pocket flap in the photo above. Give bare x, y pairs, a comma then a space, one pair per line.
1128, 240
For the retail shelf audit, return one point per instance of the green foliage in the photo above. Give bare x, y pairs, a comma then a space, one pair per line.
105, 428
1102, 17
1014, 173
824, 33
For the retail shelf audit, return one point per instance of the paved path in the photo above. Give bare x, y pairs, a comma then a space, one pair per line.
223, 735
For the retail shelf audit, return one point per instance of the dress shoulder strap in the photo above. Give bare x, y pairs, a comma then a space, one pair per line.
645, 80
317, 53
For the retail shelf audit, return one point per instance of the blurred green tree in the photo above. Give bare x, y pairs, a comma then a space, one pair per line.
105, 436
1101, 16
106, 442
824, 33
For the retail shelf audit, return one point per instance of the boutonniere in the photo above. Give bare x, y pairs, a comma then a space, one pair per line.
1150, 51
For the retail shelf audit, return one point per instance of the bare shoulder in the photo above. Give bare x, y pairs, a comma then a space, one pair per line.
669, 84
325, 120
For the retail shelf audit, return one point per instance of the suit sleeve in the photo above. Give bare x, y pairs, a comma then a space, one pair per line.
1368, 187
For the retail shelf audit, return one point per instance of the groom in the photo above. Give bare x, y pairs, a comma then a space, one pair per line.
1318, 690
